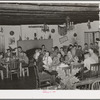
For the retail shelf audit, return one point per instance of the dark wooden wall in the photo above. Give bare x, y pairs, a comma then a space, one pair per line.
29, 44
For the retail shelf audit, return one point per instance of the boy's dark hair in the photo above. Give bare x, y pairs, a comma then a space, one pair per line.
43, 45
8, 50
96, 42
44, 50
1, 53
97, 39
55, 48
85, 44
79, 46
74, 45
70, 45
86, 53
62, 48
19, 47
91, 43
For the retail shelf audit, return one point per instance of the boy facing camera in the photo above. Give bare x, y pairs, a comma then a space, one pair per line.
86, 70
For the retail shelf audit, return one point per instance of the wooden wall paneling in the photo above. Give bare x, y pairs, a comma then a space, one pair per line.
29, 44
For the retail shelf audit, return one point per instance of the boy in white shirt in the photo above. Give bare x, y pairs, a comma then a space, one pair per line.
93, 55
36, 55
47, 60
88, 60
85, 72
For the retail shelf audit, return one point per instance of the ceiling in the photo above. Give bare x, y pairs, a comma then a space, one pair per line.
50, 13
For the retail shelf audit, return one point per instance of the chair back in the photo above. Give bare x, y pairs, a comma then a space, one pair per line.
41, 78
94, 70
36, 71
14, 65
96, 85
67, 70
79, 66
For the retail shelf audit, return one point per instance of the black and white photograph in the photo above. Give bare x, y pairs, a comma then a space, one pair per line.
49, 46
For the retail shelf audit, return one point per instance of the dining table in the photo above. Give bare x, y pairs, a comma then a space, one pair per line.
76, 65
71, 68
87, 82
64, 67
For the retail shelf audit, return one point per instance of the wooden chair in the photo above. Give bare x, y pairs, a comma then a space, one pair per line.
1, 73
42, 79
25, 69
14, 68
96, 85
78, 66
94, 70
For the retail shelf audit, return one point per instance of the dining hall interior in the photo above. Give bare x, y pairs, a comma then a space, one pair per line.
54, 46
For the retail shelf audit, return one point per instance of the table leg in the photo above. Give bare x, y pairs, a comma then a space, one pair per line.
89, 86
2, 77
20, 69
7, 70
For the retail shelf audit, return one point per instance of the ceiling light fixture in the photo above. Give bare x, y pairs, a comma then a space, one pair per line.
69, 24
45, 28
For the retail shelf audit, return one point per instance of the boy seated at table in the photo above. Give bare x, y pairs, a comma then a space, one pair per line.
47, 60
39, 63
68, 58
23, 57
44, 66
57, 61
2, 63
47, 64
8, 54
75, 61
36, 55
87, 62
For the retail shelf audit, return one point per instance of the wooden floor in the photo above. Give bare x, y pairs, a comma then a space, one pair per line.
22, 83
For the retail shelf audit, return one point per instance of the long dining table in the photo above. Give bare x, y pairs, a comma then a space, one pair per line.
88, 82
72, 67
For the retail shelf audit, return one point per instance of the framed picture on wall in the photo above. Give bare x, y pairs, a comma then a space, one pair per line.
11, 41
63, 39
